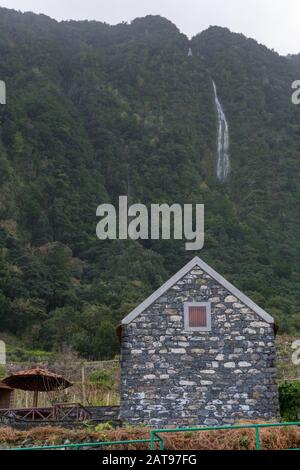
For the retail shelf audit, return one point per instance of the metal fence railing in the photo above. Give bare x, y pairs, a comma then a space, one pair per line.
155, 434
88, 445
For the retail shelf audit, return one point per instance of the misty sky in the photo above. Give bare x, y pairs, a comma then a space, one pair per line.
274, 23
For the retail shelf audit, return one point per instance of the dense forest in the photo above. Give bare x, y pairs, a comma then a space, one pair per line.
96, 111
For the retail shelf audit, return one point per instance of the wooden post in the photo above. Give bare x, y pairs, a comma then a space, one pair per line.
35, 398
83, 385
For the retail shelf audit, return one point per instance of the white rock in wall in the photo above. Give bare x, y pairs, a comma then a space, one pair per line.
230, 299
253, 371
226, 407
186, 383
229, 365
258, 324
221, 318
135, 352
250, 331
237, 305
178, 351
245, 407
175, 318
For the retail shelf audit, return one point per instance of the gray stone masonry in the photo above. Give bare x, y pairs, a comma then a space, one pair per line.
173, 377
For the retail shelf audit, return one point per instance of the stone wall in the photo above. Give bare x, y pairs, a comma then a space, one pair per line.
173, 377
104, 413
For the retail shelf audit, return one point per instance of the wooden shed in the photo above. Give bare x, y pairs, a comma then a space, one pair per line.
6, 396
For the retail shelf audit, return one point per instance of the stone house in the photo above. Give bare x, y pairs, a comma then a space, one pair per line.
197, 352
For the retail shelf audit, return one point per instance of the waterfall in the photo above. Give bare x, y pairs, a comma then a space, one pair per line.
2, 92
223, 163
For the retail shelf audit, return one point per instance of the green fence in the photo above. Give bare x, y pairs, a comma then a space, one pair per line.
90, 445
156, 438
155, 434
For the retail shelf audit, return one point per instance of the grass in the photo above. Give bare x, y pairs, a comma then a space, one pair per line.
21, 354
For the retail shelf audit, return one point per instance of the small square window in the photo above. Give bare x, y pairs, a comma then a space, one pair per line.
197, 316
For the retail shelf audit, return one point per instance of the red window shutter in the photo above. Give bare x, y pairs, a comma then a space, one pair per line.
197, 317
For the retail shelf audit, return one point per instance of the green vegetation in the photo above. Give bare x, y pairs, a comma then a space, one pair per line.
21, 354
286, 368
289, 398
2, 371
97, 111
104, 427
103, 378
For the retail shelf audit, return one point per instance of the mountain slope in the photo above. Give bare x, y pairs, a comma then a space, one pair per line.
97, 111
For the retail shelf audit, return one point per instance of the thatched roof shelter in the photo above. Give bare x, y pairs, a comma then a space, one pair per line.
3, 386
37, 380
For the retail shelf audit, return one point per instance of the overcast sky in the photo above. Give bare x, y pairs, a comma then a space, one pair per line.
274, 23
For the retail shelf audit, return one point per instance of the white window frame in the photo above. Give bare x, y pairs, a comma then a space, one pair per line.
186, 307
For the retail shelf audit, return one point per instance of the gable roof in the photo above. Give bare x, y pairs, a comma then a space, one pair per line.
220, 279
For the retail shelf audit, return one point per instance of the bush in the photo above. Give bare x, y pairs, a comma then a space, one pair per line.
2, 371
104, 427
289, 399
103, 378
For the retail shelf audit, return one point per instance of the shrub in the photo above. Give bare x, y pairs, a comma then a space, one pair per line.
2, 371
289, 399
102, 377
104, 427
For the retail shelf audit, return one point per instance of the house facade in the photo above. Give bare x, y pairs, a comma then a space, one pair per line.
197, 352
